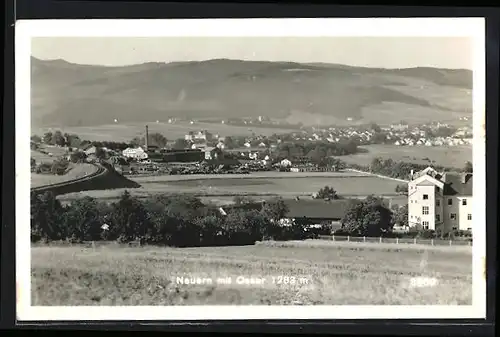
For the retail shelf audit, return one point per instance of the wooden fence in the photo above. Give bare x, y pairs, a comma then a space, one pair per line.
407, 241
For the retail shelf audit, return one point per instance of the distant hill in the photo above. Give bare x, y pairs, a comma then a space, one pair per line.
66, 94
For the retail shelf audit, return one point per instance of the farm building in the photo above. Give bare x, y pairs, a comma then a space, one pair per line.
309, 212
317, 212
90, 150
135, 153
184, 155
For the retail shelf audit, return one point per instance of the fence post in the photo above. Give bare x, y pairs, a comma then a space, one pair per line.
333, 237
380, 239
348, 238
450, 242
432, 242
364, 238
414, 241
397, 241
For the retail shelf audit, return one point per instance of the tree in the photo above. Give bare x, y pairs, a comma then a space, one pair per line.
468, 167
400, 216
78, 157
73, 140
211, 230
402, 188
47, 138
36, 139
82, 220
46, 212
157, 139
137, 141
129, 219
229, 143
368, 217
375, 127
100, 153
180, 144
275, 209
59, 166
327, 192
58, 138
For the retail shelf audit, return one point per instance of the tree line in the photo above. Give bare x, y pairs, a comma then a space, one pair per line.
184, 221
179, 221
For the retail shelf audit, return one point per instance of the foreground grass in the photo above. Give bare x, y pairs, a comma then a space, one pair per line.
356, 274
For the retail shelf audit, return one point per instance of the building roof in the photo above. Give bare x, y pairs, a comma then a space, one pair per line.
312, 209
455, 186
333, 209
222, 161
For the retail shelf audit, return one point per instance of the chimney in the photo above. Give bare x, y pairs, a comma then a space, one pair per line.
146, 138
411, 175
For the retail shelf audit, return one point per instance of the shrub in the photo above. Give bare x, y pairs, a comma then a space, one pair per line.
59, 166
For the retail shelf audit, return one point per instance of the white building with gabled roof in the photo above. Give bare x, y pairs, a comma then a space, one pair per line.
440, 201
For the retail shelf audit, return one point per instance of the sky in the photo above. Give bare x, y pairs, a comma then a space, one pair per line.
383, 52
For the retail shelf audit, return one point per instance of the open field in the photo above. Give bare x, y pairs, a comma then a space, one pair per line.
126, 132
328, 275
77, 171
452, 156
42, 157
260, 184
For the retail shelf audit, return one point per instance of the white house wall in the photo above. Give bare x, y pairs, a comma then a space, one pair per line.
440, 211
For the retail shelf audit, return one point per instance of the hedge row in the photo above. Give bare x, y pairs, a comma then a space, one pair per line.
180, 221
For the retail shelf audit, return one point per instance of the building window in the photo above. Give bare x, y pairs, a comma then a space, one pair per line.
450, 202
438, 203
464, 202
454, 228
438, 218
453, 216
425, 224
425, 210
425, 196
469, 216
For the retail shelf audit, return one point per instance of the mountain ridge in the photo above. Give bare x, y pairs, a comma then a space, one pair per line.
69, 94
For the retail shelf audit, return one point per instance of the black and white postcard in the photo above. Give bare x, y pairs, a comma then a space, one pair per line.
250, 169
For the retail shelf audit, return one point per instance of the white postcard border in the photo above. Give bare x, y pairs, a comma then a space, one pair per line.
416, 27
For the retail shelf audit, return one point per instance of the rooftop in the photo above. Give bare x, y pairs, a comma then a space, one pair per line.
454, 185
306, 208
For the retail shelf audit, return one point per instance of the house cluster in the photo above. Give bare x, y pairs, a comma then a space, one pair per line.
418, 136
440, 201
397, 134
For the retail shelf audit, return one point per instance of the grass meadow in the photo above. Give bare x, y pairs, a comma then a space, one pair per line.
77, 171
263, 184
326, 273
447, 156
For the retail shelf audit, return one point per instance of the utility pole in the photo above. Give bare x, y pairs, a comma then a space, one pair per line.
146, 138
